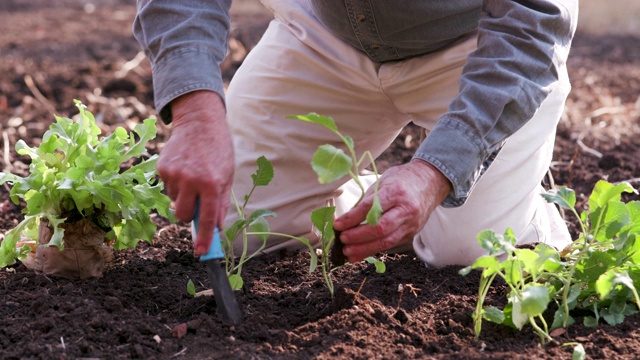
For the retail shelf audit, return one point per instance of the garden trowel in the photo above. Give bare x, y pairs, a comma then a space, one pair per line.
222, 292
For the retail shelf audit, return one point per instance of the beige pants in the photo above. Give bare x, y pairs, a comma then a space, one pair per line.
299, 67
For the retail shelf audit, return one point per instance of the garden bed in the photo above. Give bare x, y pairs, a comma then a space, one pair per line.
140, 308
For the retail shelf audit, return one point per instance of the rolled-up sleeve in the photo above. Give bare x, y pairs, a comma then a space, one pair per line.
522, 47
185, 42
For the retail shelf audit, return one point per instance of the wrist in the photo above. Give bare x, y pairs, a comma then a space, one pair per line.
435, 178
197, 106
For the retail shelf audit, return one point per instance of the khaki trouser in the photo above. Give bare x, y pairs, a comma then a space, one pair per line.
299, 67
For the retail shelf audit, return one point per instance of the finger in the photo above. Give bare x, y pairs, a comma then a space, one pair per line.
360, 251
185, 205
207, 221
355, 216
172, 190
389, 222
358, 214
223, 207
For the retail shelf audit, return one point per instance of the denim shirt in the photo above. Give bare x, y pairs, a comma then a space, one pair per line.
521, 54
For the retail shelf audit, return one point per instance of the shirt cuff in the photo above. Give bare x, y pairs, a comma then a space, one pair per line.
183, 71
461, 156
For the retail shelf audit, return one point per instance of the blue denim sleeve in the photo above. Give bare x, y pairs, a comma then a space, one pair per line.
522, 45
185, 41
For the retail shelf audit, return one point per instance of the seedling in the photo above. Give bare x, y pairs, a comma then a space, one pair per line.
599, 272
254, 224
330, 164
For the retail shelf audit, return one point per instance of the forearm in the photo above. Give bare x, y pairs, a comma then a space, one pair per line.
522, 48
185, 43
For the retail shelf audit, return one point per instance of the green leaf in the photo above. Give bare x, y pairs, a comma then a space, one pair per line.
379, 264
612, 318
313, 264
36, 201
518, 317
607, 221
322, 218
232, 232
264, 174
191, 288
513, 271
493, 314
325, 121
22, 149
57, 238
558, 319
579, 353
490, 264
590, 321
606, 283
574, 292
528, 261
236, 282
495, 243
146, 131
260, 225
349, 142
605, 192
465, 271
260, 213
330, 163
8, 177
612, 278
590, 269
8, 251
535, 299
564, 197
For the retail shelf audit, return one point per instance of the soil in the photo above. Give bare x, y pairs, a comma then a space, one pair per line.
54, 52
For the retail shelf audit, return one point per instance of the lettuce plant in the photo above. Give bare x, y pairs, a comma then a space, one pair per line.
76, 173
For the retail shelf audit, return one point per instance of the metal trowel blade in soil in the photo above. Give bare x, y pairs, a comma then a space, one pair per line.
222, 292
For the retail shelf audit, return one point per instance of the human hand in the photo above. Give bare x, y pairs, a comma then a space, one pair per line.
408, 195
197, 163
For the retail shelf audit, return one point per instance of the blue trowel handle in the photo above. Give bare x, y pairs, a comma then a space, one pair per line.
215, 250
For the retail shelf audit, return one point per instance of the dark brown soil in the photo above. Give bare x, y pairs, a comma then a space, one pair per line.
140, 308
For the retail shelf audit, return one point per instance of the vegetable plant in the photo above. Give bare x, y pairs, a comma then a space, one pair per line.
330, 164
75, 173
598, 273
254, 224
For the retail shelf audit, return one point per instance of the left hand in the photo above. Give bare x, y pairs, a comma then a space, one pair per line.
408, 195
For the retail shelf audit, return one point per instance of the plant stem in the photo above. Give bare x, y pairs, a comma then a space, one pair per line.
569, 279
542, 333
485, 283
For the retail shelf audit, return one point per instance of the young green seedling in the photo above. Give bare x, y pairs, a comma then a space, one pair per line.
330, 164
254, 224
599, 272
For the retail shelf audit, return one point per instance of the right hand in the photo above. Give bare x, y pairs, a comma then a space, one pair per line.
197, 163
